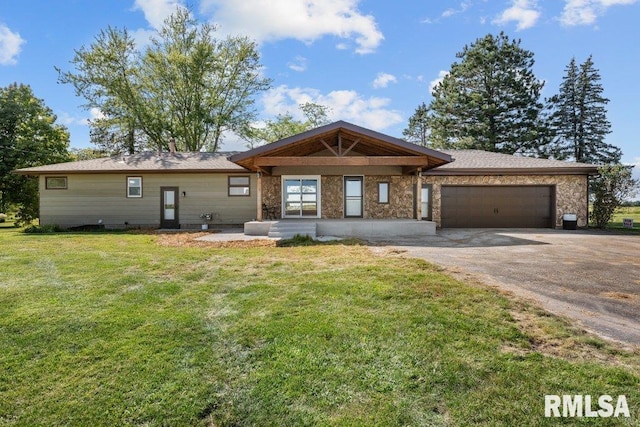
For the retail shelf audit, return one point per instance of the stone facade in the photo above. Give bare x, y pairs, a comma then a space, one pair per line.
271, 193
332, 190
570, 191
401, 190
570, 194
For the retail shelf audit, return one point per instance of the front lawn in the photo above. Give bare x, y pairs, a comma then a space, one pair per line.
115, 329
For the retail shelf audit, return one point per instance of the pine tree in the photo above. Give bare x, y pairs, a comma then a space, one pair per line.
417, 130
489, 100
578, 119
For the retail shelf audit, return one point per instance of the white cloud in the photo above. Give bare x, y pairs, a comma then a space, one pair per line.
10, 45
383, 79
524, 12
305, 20
372, 112
435, 82
586, 12
452, 11
156, 11
298, 64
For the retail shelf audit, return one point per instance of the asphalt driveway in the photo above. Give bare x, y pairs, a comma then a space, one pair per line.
589, 276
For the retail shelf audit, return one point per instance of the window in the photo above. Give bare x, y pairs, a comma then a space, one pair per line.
134, 186
383, 192
301, 196
55, 182
239, 186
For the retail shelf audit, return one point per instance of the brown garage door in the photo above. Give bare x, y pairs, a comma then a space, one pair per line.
497, 206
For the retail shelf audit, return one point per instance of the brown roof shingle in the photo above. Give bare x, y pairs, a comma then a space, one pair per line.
477, 162
144, 162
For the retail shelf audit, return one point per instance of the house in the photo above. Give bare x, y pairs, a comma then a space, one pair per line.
340, 172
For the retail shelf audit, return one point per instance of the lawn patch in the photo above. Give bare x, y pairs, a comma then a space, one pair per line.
115, 329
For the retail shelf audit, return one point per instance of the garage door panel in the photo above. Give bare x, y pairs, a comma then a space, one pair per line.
497, 206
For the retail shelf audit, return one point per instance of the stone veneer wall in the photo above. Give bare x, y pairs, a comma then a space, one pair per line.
332, 196
332, 188
271, 190
400, 197
571, 191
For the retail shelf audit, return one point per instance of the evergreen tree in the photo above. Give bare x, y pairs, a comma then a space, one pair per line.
578, 118
418, 130
489, 100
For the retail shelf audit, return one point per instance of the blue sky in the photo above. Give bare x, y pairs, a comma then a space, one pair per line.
371, 61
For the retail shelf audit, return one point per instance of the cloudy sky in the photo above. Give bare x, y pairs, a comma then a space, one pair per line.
371, 61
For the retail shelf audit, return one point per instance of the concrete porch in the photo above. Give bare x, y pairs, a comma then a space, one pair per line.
362, 228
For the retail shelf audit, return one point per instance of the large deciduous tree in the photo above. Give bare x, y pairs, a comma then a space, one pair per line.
286, 125
578, 118
186, 85
29, 137
489, 100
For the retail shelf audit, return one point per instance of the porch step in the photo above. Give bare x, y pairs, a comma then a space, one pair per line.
288, 229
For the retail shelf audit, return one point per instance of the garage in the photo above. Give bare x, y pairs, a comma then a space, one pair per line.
509, 206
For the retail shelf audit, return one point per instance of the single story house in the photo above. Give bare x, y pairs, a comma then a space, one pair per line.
340, 172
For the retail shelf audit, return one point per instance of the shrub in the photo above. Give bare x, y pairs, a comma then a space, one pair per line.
40, 229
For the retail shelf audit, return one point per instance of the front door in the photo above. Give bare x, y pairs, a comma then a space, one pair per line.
353, 197
169, 207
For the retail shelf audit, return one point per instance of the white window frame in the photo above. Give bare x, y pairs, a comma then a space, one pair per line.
318, 179
129, 187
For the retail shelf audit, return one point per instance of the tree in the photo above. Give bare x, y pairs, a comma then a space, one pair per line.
78, 154
489, 100
186, 85
578, 118
29, 136
286, 125
610, 188
418, 129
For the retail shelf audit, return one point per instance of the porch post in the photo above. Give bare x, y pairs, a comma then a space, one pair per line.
259, 197
419, 194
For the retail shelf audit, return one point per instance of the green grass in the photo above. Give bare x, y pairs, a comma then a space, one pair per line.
632, 212
113, 329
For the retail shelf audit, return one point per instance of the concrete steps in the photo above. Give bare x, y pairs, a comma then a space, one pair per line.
288, 229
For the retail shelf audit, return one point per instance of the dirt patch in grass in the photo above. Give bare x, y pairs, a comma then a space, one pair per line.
621, 296
189, 239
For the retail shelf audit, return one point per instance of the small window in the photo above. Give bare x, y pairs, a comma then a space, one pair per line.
383, 192
238, 186
56, 183
134, 186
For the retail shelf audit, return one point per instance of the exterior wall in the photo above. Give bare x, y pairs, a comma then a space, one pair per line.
401, 195
332, 195
93, 197
571, 191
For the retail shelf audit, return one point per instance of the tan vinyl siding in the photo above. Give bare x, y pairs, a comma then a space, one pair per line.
93, 197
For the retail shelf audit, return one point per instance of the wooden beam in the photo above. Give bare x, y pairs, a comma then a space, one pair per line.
352, 145
419, 194
259, 197
329, 147
415, 161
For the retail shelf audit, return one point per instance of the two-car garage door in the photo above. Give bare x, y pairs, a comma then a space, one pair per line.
497, 206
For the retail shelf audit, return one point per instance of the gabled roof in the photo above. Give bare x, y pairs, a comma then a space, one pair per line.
332, 144
478, 162
149, 162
